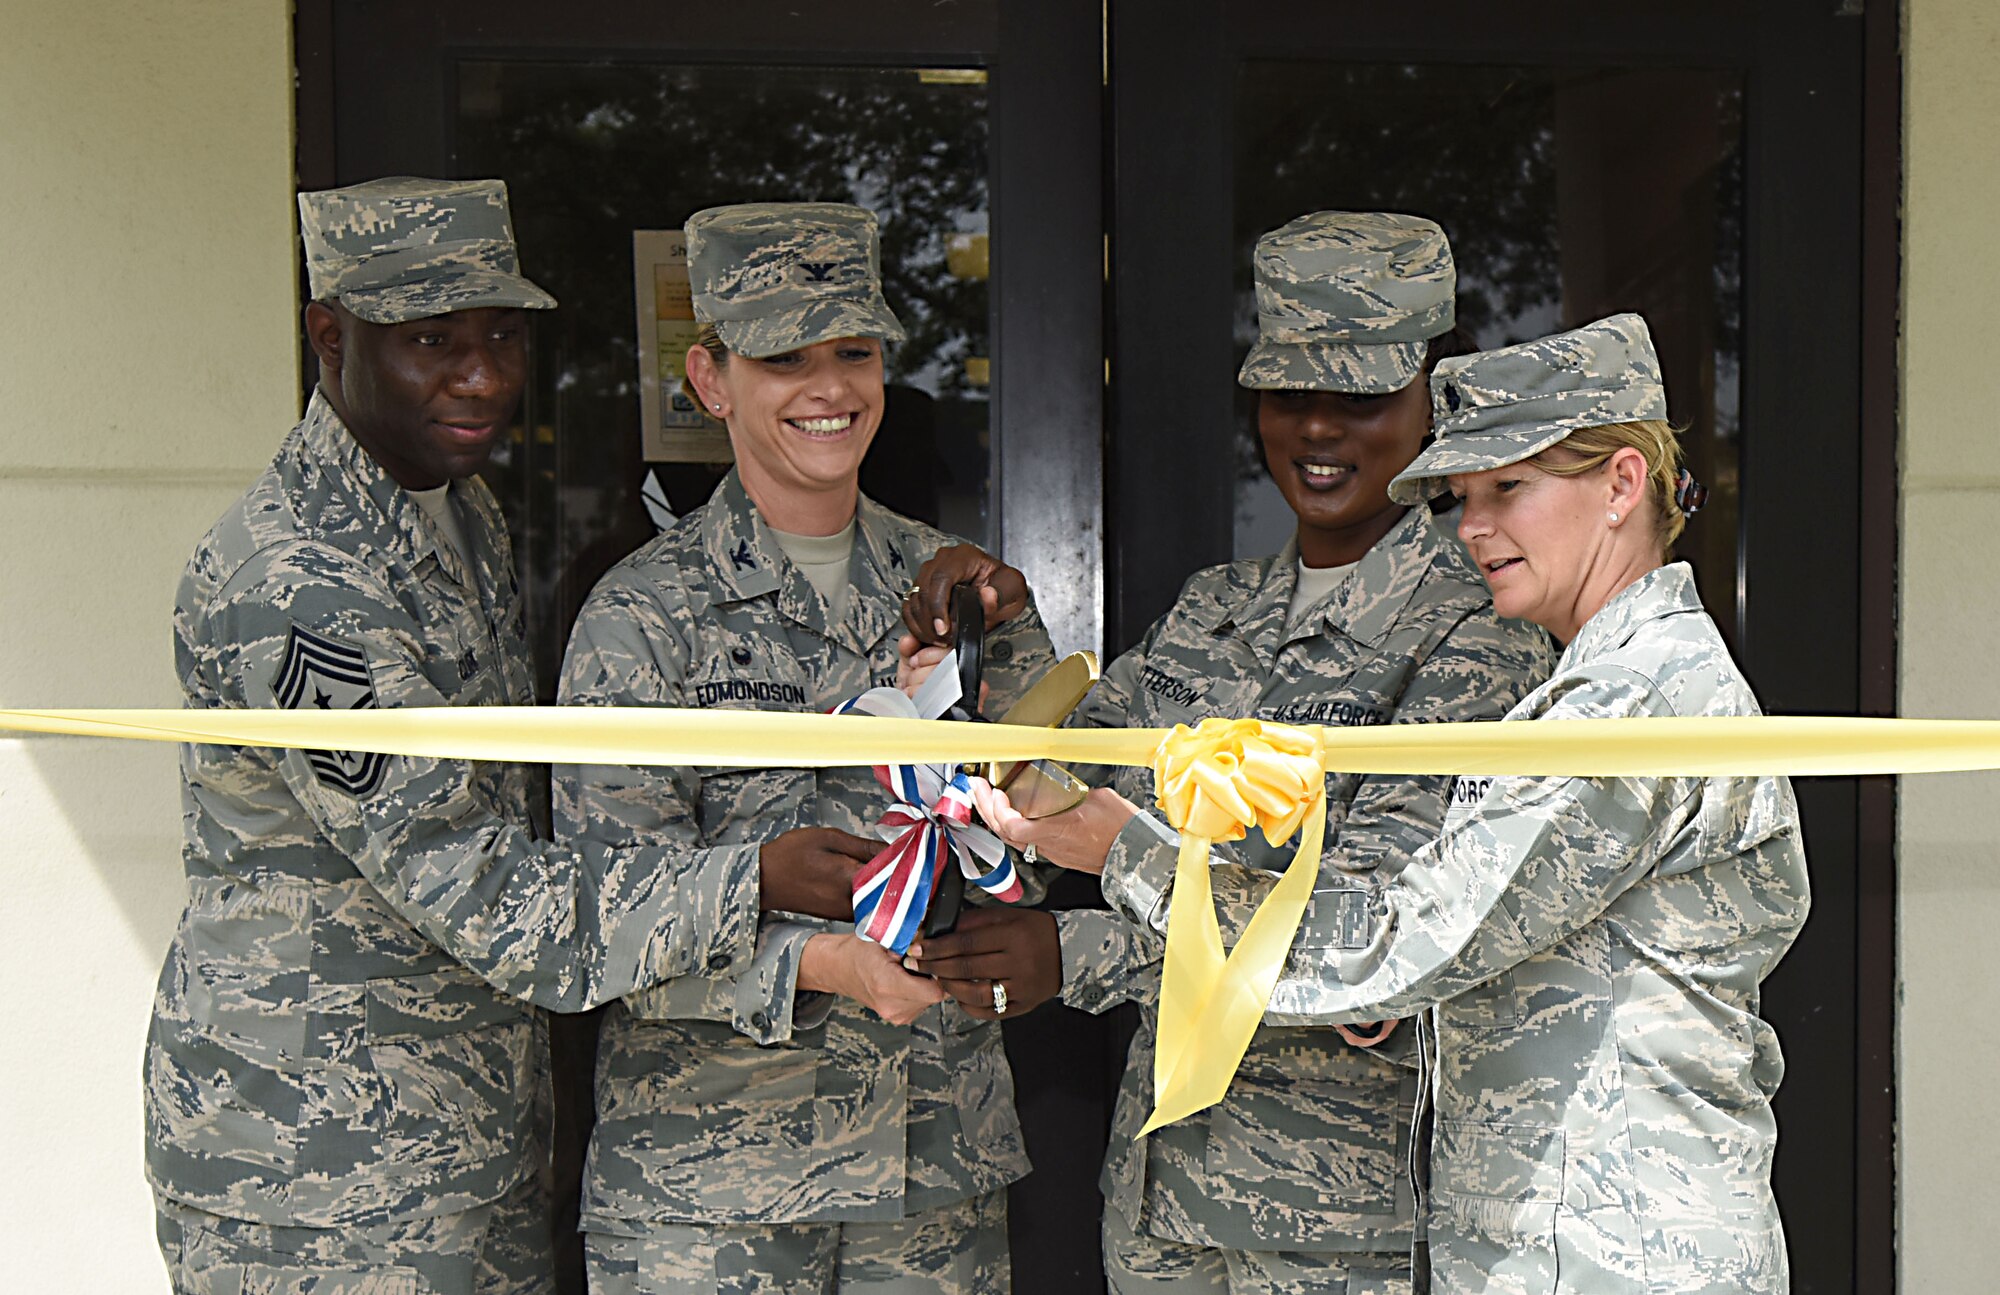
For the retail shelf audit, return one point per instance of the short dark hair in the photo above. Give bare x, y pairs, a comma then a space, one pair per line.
1453, 341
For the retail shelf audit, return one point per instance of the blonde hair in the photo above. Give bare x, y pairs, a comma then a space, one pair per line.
1590, 448
710, 340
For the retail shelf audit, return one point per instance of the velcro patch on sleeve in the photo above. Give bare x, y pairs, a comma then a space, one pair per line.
320, 672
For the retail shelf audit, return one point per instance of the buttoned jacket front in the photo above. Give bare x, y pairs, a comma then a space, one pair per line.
738, 1098
1310, 1149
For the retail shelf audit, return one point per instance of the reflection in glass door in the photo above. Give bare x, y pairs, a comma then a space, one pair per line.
1568, 194
594, 151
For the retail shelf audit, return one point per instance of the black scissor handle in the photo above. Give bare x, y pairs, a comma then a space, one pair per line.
968, 639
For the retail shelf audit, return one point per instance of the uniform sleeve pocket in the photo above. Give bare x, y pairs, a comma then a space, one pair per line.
438, 1003
1497, 1189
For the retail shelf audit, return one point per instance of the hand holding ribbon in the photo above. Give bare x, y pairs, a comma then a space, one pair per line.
929, 826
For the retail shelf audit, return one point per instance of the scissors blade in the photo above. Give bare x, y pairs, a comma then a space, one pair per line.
1047, 705
1056, 693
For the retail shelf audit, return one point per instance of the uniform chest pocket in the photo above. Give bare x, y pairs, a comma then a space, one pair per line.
1308, 1117
461, 657
743, 805
1168, 696
748, 803
719, 1093
1343, 709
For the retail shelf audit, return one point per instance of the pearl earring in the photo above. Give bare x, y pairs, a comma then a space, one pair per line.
1614, 519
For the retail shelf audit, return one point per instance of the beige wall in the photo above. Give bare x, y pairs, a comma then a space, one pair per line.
147, 362
147, 369
1949, 852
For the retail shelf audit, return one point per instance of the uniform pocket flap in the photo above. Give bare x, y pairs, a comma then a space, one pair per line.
713, 772
434, 1004
1503, 1162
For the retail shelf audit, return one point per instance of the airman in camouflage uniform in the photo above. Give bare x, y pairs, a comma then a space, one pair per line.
1594, 946
345, 1075
750, 1134
1298, 1180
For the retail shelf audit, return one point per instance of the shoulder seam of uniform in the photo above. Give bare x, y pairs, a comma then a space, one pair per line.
227, 583
1606, 670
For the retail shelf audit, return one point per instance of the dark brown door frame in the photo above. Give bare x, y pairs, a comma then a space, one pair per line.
1823, 106
1875, 1192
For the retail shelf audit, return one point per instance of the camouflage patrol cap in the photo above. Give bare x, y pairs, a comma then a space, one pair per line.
405, 248
1500, 407
1347, 300
777, 276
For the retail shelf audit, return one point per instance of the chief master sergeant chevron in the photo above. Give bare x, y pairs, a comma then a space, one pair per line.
345, 1075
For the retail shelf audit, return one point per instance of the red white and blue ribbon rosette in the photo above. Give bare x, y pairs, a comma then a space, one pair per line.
929, 827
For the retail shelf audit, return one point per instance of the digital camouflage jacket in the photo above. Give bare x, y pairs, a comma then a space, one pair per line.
343, 1033
736, 1098
1595, 948
1310, 1149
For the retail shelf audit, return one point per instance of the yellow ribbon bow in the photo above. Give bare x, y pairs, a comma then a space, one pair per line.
1215, 783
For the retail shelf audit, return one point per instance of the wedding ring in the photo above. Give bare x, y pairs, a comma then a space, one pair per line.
999, 999
912, 591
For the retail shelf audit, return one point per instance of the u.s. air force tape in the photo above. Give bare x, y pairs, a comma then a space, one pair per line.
1762, 745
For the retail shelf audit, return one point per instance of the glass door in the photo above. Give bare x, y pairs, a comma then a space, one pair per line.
1702, 164
600, 154
1568, 194
971, 130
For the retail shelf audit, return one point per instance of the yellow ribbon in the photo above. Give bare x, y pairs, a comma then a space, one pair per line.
1828, 746
1214, 783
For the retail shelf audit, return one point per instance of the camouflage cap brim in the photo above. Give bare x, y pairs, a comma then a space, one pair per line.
801, 326
469, 288
1352, 368
1472, 452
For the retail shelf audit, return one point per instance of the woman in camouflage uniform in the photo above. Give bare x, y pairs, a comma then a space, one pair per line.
824, 1120
1297, 1182
1594, 946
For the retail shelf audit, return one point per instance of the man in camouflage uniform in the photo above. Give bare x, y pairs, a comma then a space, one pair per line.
752, 1135
1299, 1180
345, 1080
1594, 946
